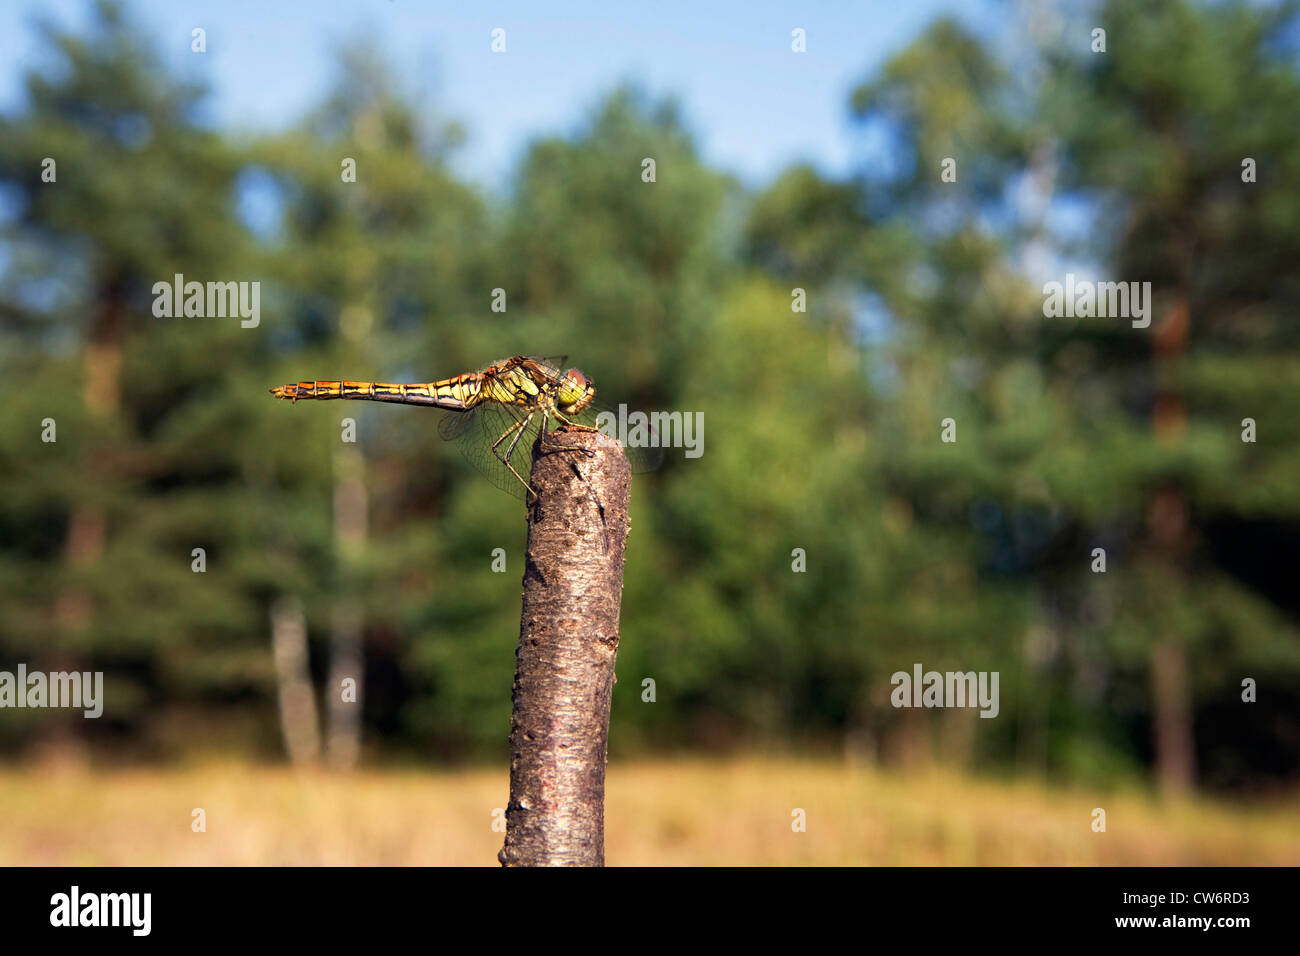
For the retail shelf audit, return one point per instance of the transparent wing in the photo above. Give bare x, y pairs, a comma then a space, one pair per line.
554, 364
476, 431
645, 453
454, 424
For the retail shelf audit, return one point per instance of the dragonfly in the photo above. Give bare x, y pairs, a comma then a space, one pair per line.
500, 408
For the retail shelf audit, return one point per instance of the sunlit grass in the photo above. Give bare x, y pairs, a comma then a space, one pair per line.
661, 812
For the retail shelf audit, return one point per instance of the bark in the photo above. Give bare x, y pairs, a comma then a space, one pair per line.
568, 639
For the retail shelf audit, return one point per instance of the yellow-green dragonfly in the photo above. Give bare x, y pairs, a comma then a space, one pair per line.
507, 404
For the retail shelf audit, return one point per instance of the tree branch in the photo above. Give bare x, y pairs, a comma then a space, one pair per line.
568, 639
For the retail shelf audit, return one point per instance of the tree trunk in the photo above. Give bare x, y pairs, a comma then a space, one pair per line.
1172, 710
568, 639
298, 720
101, 393
351, 533
347, 619
1167, 520
87, 534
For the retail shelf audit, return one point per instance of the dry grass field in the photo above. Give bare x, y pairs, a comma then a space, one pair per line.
660, 812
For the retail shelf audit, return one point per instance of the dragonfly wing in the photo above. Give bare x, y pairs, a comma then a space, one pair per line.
645, 458
483, 427
646, 452
454, 424
554, 364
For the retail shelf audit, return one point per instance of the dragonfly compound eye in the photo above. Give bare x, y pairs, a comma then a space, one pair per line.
576, 392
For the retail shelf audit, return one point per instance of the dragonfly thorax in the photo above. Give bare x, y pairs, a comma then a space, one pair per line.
575, 392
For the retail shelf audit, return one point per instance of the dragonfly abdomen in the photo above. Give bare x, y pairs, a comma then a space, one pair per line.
441, 395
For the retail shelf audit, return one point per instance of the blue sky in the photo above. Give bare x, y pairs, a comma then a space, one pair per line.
753, 105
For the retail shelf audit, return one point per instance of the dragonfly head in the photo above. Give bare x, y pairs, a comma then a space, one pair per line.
575, 393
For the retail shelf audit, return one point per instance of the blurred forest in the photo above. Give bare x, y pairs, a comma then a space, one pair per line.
822, 428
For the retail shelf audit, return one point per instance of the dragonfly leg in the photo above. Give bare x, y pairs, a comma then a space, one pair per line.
517, 430
573, 424
549, 444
